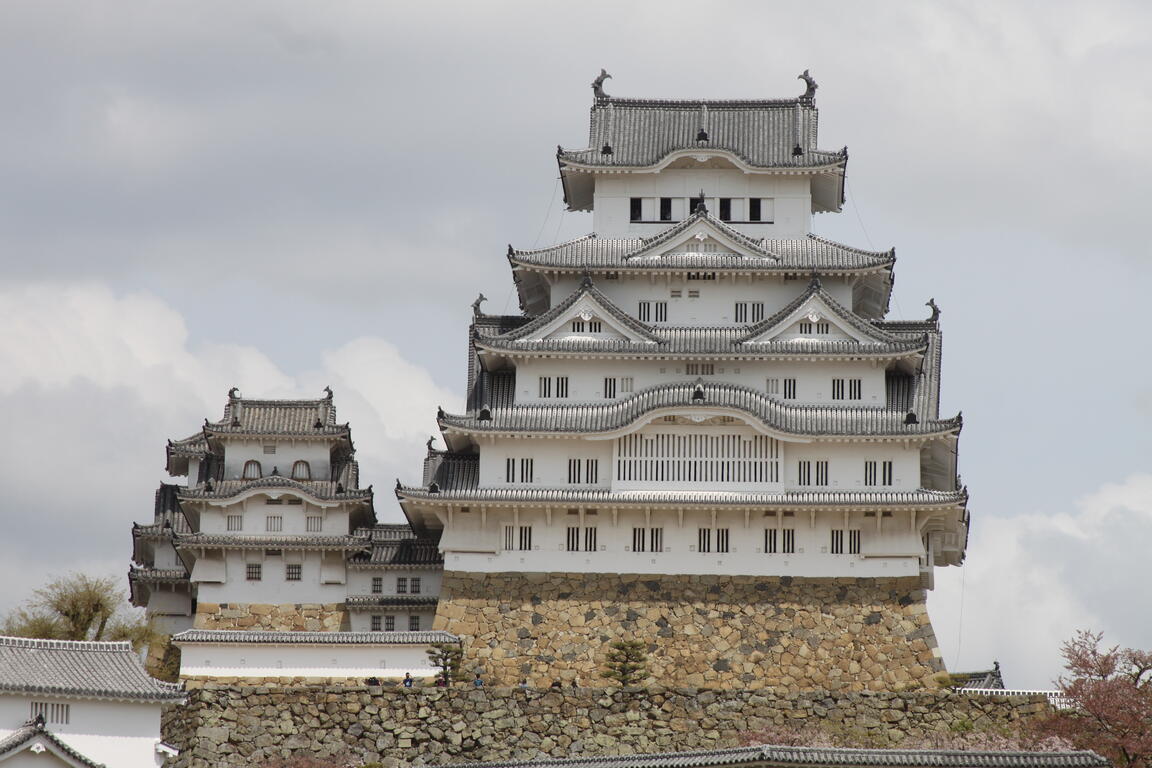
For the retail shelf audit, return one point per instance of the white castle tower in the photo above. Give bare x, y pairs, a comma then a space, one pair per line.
702, 432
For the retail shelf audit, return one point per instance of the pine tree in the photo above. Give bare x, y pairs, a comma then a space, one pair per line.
446, 657
627, 663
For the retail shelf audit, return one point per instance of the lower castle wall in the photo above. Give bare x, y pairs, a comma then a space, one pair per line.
289, 617
222, 726
719, 632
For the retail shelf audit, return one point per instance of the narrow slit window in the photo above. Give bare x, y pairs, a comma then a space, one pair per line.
789, 389
771, 540
610, 387
665, 209
635, 209
661, 308
644, 311
754, 209
573, 538
722, 540
590, 539
725, 209
704, 540
788, 541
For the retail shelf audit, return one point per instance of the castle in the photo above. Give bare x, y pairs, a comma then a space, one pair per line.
702, 432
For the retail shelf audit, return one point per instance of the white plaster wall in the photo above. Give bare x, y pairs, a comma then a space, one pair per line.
791, 195
164, 556
255, 509
716, 305
162, 600
119, 734
316, 452
295, 660
890, 548
845, 461
360, 581
586, 378
273, 588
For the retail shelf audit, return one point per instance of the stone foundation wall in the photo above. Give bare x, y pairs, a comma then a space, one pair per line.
719, 632
296, 617
223, 726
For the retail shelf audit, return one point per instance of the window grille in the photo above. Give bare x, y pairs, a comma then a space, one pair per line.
252, 470
389, 623
886, 472
413, 623
293, 572
269, 450
525, 537
526, 470
377, 585
254, 571
661, 308
578, 326
574, 467
545, 388
771, 539
806, 328
789, 389
401, 585
414, 585
837, 547
676, 293
822, 473
655, 539
697, 458
509, 538
301, 470
855, 389
595, 326
722, 540
624, 384
869, 473
274, 523
788, 543
823, 327
704, 540
749, 311
700, 369
590, 539
703, 275
297, 502
610, 387
561, 386
313, 524
377, 622
591, 471
52, 711
804, 472
644, 311
274, 502
837, 389
573, 538
235, 522
694, 294
639, 539
772, 386
854, 541
741, 312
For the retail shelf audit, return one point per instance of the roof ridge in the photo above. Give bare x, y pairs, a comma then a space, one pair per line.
74, 645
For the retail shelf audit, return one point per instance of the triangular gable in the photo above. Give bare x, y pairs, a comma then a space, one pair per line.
704, 234
585, 305
38, 742
817, 316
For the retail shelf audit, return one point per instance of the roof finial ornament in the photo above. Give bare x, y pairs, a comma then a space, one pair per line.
233, 393
328, 393
698, 204
476, 305
431, 440
810, 92
598, 85
931, 304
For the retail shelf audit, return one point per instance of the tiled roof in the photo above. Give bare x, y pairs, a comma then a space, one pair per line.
794, 255
138, 573
388, 532
365, 602
313, 638
104, 670
808, 420
409, 553
762, 133
298, 418
20, 739
325, 490
586, 289
824, 756
193, 445
240, 541
458, 479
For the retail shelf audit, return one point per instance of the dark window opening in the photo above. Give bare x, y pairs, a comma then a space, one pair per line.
725, 209
754, 209
635, 209
665, 209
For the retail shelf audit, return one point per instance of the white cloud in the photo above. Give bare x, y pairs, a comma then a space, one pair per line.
92, 383
1032, 580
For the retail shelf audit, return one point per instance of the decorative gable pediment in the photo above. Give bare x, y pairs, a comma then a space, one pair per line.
705, 235
586, 314
815, 316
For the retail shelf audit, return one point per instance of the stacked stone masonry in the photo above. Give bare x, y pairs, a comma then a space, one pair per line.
223, 726
290, 617
715, 632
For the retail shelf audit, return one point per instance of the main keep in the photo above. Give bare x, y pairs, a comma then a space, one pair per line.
702, 432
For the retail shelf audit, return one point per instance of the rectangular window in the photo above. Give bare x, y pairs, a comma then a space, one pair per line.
561, 386
269, 449
297, 502
804, 472
313, 524
693, 294
545, 387
725, 209
741, 314
823, 327
509, 538
509, 470
665, 209
52, 711
754, 209
274, 502
788, 543
402, 585
757, 308
772, 386
655, 539
377, 623
389, 623
274, 523
700, 369
789, 389
822, 473
624, 384
644, 311
590, 539
527, 471
704, 540
235, 522
253, 571
573, 538
610, 387
837, 547
722, 540
676, 293
806, 328
575, 467
854, 541
771, 539
635, 209
837, 389
578, 326
414, 585
293, 572
639, 539
525, 537
377, 585
413, 623
886, 472
661, 311
700, 276
869, 473
854, 389
591, 471
595, 326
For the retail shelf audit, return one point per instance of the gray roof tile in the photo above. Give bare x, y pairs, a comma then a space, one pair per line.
20, 739
298, 418
313, 638
369, 602
104, 670
326, 490
240, 541
824, 757
807, 420
762, 133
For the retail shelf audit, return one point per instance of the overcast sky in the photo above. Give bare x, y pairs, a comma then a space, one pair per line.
282, 196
